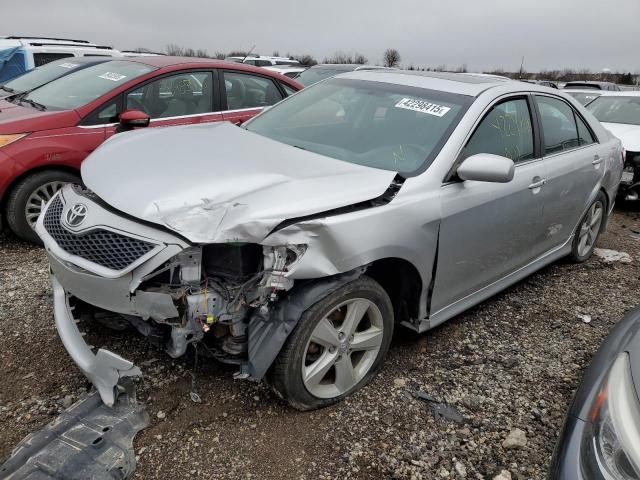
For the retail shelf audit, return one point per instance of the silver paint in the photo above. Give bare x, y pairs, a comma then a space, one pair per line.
466, 239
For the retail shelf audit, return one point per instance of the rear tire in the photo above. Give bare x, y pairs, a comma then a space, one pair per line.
310, 375
28, 197
589, 228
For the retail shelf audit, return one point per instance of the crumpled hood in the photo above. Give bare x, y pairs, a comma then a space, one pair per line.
220, 183
628, 134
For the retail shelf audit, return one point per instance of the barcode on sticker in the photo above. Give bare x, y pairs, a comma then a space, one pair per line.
114, 77
423, 106
68, 65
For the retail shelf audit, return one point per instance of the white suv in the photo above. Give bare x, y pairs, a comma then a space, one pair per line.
21, 54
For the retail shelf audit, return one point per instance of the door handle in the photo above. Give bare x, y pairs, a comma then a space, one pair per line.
596, 160
538, 184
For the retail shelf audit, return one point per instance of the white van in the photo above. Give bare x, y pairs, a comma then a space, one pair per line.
21, 54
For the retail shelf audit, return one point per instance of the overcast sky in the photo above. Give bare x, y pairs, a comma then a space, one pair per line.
484, 34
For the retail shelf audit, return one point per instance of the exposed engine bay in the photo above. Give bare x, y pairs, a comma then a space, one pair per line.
215, 289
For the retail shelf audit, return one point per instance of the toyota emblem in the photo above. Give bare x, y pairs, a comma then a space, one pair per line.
76, 215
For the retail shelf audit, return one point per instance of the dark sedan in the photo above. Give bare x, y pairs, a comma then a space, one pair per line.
601, 436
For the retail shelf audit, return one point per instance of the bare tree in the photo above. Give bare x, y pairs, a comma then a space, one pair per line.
276, 53
173, 49
219, 56
177, 50
391, 57
343, 58
306, 60
359, 59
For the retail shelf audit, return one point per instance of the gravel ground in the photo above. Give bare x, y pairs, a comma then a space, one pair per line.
506, 368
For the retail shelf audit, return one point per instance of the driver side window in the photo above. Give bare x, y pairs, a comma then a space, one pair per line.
173, 96
505, 131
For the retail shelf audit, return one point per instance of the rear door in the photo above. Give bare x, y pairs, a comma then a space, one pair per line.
574, 164
244, 95
489, 230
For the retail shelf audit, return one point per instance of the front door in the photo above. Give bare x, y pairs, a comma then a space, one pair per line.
489, 230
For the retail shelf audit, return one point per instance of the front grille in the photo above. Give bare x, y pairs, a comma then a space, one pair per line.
103, 247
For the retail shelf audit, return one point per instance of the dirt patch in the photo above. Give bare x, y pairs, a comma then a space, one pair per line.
512, 362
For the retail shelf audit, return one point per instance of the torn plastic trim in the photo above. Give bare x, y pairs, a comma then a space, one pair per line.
386, 197
104, 369
268, 330
87, 440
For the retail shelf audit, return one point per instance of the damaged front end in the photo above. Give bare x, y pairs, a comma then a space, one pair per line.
120, 272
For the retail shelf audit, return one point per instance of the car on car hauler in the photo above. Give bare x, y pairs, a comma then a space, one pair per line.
292, 246
46, 134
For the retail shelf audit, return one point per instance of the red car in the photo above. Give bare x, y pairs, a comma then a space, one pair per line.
46, 134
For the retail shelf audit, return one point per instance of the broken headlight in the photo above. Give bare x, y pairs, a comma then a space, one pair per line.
612, 443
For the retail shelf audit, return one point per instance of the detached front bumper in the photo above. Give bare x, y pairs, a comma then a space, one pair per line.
73, 254
105, 368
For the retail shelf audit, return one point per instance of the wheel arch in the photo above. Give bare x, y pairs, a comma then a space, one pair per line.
402, 282
19, 178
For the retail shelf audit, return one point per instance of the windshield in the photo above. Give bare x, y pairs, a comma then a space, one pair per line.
616, 109
314, 75
387, 126
41, 75
84, 86
584, 97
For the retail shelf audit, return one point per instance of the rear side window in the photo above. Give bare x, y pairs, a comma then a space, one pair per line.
287, 89
505, 131
43, 58
249, 91
584, 134
559, 127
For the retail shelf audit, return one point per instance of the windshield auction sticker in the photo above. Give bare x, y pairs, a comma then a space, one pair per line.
68, 65
422, 106
114, 77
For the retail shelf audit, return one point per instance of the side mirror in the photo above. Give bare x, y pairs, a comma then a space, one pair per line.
130, 119
485, 167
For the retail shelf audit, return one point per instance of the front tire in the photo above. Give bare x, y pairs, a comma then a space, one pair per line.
338, 345
28, 197
586, 236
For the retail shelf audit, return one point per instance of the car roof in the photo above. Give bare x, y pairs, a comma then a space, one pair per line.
83, 60
621, 93
585, 90
463, 84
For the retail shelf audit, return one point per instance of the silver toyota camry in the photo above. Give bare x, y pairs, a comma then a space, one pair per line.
293, 246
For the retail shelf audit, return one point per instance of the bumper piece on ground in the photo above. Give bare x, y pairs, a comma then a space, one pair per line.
104, 369
88, 440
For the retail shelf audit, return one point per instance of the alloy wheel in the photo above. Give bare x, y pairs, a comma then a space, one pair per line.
38, 199
590, 228
342, 348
